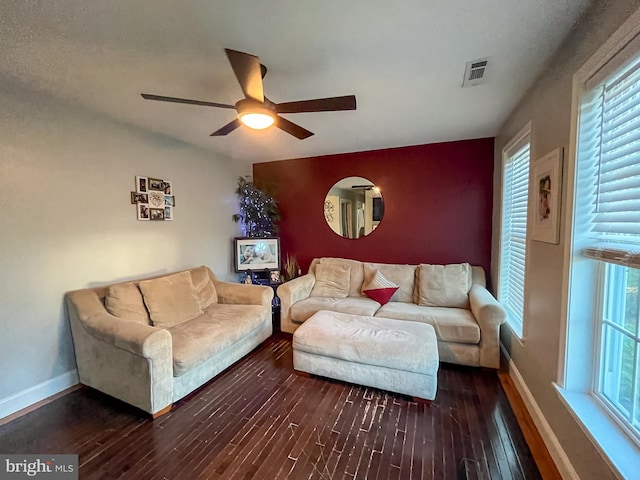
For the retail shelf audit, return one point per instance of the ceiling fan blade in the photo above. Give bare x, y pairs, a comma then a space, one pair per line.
160, 98
331, 104
292, 129
228, 128
248, 72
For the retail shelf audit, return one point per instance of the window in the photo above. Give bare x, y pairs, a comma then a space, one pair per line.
608, 192
600, 380
513, 236
619, 374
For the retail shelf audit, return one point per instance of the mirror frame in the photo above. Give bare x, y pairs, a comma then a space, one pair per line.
353, 207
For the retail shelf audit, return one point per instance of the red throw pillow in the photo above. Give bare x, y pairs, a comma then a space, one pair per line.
380, 289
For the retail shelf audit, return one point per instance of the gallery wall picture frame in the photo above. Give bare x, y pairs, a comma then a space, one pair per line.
142, 184
156, 214
154, 199
156, 184
545, 196
256, 253
143, 211
139, 197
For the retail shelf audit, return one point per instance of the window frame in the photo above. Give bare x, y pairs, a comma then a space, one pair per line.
583, 277
598, 380
522, 138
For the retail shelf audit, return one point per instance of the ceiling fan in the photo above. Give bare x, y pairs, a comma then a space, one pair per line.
257, 111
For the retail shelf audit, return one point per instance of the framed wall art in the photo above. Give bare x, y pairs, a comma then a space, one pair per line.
547, 177
154, 199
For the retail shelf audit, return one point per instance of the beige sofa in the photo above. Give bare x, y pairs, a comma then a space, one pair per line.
464, 314
152, 341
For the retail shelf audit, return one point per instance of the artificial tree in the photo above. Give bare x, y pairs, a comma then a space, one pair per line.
258, 211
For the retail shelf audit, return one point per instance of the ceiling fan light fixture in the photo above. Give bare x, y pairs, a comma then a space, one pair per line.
255, 115
256, 120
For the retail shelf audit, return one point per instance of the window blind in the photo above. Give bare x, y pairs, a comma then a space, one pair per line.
609, 168
514, 232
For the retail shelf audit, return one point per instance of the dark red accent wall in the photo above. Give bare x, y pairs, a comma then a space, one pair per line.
437, 198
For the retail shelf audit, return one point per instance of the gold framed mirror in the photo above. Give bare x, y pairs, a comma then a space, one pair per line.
354, 207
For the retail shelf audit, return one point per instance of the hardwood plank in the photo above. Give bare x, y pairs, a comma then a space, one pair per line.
259, 419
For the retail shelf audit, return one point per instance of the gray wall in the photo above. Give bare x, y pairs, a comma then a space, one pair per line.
66, 221
548, 106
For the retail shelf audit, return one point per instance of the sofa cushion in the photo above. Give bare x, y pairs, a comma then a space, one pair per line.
302, 310
171, 300
220, 326
356, 273
451, 324
205, 289
402, 275
379, 288
444, 285
331, 281
124, 300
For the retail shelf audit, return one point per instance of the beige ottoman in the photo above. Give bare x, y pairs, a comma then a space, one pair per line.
394, 355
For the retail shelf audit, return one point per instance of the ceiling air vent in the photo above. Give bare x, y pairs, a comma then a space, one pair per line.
475, 72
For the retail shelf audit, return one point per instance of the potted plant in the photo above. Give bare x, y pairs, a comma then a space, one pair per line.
258, 211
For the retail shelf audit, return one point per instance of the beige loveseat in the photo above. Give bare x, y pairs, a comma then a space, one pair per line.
151, 342
464, 314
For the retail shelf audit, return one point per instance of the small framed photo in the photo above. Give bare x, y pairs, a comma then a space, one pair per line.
168, 188
156, 214
143, 211
168, 213
142, 184
169, 201
257, 253
547, 172
156, 184
274, 276
139, 197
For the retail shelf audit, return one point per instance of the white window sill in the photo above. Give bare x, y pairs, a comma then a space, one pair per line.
618, 450
516, 330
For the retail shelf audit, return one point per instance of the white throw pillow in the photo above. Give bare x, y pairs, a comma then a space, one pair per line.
205, 289
124, 300
171, 300
331, 281
444, 285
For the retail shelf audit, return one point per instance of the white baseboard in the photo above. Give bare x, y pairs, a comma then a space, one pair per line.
546, 432
35, 394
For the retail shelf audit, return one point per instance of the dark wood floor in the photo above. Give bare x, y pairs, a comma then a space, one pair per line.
259, 420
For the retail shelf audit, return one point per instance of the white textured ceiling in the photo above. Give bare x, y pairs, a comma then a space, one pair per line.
403, 60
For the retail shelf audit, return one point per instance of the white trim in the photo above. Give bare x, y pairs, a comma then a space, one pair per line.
31, 395
517, 141
614, 44
613, 444
549, 438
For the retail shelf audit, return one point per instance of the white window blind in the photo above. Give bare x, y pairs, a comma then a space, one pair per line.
514, 232
609, 168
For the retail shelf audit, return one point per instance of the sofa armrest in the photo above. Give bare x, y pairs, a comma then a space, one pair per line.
136, 338
291, 292
241, 294
127, 360
490, 315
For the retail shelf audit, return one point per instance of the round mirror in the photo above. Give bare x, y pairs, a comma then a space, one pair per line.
353, 208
